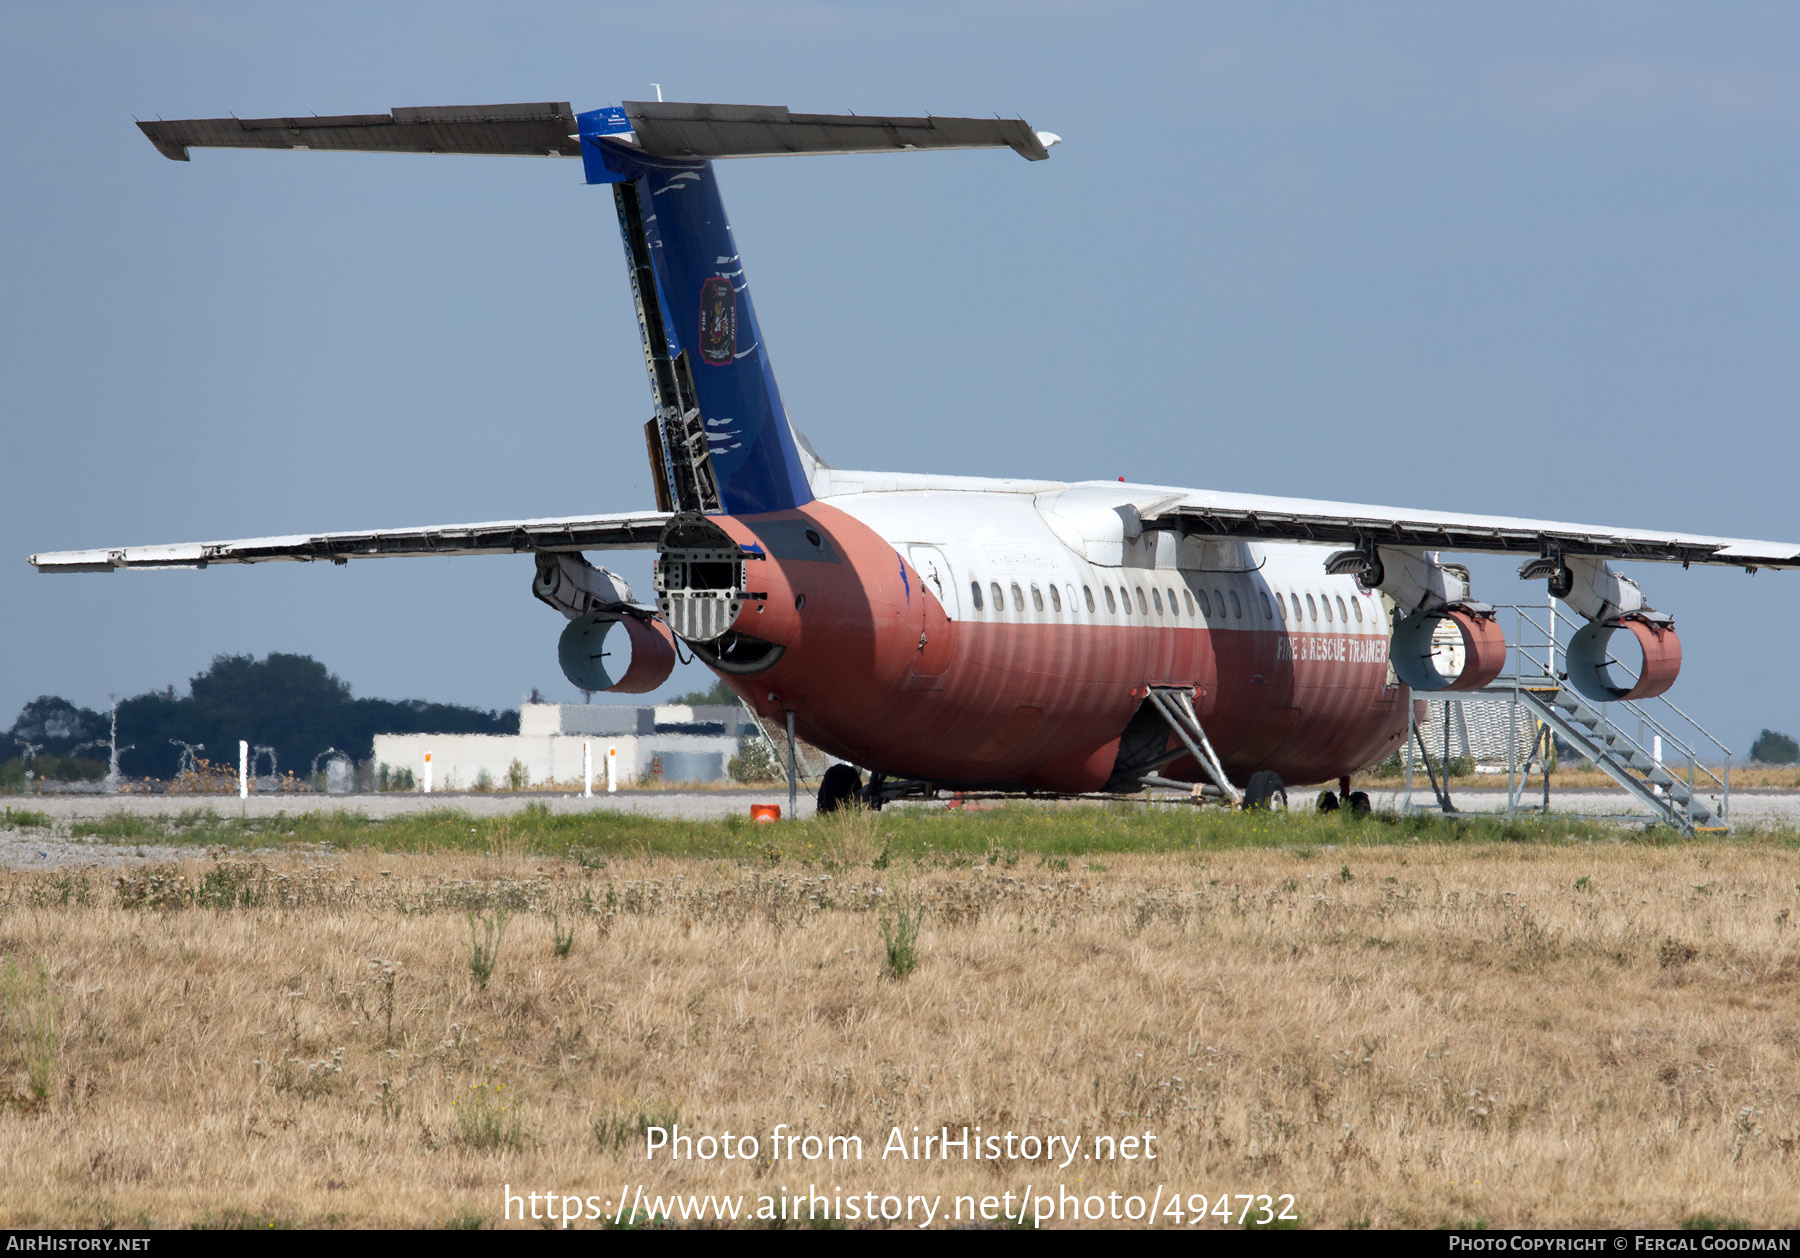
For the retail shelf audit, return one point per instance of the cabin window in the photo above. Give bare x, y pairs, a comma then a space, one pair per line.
1356, 606
1205, 605
1088, 592
1237, 608
1174, 607
1037, 598
975, 593
1295, 599
1281, 607
1111, 606
999, 598
1143, 604
1190, 603
1325, 600
1312, 609
1125, 599
1055, 600
1343, 615
1219, 601
1157, 596
1268, 613
1018, 598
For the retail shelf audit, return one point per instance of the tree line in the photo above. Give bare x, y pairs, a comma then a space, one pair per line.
291, 703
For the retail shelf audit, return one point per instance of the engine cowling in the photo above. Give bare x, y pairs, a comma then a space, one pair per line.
1448, 648
590, 664
1610, 601
596, 601
1596, 672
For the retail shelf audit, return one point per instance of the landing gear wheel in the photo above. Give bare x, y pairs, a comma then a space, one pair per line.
1359, 803
1265, 791
841, 785
1328, 801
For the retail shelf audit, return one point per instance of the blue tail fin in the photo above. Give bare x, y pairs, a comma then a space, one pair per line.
725, 440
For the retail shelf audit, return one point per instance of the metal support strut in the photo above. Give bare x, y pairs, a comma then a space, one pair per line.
793, 772
1176, 706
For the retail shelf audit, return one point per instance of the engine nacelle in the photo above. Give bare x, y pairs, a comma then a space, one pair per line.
1589, 586
1610, 601
1414, 579
1597, 673
575, 587
1448, 648
589, 664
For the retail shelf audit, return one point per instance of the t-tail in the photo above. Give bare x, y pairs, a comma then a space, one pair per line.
720, 439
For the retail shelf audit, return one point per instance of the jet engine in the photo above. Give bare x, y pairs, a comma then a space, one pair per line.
1448, 648
1444, 639
590, 664
1611, 602
596, 602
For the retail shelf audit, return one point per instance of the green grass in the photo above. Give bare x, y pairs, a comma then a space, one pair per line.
24, 819
900, 934
485, 932
1050, 832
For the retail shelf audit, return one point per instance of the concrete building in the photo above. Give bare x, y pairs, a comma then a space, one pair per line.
668, 743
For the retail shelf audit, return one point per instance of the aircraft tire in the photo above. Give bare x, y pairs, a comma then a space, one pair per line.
1359, 804
841, 785
1264, 790
1328, 801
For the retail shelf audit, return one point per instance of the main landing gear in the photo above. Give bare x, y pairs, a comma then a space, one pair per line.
1356, 801
1265, 790
841, 785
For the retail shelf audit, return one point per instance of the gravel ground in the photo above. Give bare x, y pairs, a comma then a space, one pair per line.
43, 849
1747, 807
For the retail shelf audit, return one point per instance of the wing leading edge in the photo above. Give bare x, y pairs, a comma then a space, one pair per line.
630, 530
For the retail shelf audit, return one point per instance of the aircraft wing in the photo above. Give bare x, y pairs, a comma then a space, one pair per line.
630, 530
1254, 516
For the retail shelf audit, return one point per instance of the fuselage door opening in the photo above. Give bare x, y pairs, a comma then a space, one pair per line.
934, 571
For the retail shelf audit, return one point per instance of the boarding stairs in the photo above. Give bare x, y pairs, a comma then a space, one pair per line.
1662, 765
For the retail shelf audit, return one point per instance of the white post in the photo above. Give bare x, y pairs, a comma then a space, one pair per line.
428, 773
243, 769
587, 770
1656, 749
612, 770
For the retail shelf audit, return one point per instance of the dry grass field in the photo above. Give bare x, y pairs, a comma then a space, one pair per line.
1415, 1034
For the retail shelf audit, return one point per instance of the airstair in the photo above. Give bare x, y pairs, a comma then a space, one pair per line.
1657, 753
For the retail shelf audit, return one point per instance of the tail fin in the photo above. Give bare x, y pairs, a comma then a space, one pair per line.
726, 442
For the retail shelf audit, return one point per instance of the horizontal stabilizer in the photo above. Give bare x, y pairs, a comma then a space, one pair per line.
541, 130
631, 530
550, 129
673, 129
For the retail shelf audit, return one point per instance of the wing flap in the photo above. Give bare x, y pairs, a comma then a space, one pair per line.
632, 530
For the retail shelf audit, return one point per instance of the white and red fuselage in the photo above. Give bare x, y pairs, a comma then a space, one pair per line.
1004, 634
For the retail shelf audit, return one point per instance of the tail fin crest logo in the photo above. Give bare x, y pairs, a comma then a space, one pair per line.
718, 321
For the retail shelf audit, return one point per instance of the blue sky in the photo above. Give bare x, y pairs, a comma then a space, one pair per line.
1537, 260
